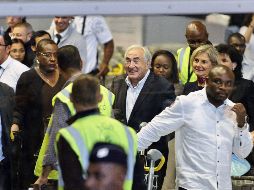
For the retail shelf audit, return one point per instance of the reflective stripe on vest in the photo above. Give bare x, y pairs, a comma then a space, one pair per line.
66, 93
131, 158
110, 97
181, 59
84, 156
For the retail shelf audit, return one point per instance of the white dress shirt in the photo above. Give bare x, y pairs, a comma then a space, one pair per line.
11, 71
205, 138
248, 57
132, 94
63, 34
96, 33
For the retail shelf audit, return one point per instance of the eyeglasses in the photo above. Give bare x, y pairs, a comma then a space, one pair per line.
135, 60
48, 54
3, 45
16, 35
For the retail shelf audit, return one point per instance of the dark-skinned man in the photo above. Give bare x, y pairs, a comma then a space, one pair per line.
208, 128
196, 35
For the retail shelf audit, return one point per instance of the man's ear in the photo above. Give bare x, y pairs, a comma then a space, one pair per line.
81, 65
33, 48
99, 97
234, 65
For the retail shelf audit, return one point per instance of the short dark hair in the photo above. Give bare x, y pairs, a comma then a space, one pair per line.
236, 35
234, 56
84, 90
37, 34
68, 57
17, 41
42, 43
174, 76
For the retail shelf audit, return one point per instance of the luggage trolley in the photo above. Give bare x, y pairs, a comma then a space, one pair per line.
153, 155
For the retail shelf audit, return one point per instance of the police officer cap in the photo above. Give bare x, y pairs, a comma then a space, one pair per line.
109, 153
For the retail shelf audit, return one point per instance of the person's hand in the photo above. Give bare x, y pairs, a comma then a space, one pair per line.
240, 111
103, 70
14, 129
41, 180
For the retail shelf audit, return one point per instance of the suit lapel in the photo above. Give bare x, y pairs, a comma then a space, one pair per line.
143, 94
123, 95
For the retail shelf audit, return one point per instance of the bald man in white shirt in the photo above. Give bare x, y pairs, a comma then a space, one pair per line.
208, 128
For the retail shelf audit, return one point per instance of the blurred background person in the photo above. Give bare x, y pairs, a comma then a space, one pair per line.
164, 64
24, 31
202, 60
247, 31
11, 21
96, 32
17, 50
11, 69
64, 34
35, 39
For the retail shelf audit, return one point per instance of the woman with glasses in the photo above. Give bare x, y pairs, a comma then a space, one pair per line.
17, 50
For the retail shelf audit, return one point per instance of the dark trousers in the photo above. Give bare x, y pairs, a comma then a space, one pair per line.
5, 183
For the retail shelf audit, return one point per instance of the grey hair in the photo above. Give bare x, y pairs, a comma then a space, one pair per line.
147, 53
211, 52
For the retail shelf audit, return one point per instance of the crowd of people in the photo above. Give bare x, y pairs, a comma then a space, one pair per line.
60, 128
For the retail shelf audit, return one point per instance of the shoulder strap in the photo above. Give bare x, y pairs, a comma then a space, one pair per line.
83, 25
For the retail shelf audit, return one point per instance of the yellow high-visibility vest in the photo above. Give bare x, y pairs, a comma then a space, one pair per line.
183, 57
85, 132
105, 107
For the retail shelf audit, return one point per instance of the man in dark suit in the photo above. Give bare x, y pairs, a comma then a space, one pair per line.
140, 96
6, 106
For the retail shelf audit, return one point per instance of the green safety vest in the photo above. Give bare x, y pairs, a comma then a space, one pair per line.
183, 56
105, 107
85, 132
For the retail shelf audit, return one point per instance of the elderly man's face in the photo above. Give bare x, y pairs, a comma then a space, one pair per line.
220, 85
4, 50
135, 65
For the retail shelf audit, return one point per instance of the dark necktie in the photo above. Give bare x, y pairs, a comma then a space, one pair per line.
58, 36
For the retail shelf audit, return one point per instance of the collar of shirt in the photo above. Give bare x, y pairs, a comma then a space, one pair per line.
83, 114
5, 64
140, 83
227, 102
63, 34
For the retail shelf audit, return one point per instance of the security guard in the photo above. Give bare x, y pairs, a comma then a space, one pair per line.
87, 128
70, 65
196, 35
